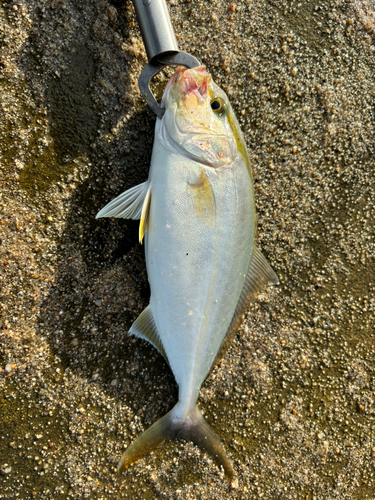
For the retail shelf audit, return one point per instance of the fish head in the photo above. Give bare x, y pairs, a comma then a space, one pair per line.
199, 121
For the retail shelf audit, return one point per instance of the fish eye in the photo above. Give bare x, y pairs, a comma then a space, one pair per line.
219, 106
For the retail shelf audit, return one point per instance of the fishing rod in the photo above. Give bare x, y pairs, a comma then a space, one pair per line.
161, 46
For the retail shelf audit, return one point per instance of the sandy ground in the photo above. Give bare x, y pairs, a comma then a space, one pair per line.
293, 400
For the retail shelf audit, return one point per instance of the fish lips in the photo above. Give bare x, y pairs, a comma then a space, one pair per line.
184, 82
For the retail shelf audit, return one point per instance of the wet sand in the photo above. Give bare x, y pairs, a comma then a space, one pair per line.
293, 399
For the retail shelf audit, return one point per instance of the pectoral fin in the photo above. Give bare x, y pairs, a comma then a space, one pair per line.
128, 205
259, 274
144, 327
203, 199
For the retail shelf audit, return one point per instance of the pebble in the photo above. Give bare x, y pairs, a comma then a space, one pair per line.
5, 469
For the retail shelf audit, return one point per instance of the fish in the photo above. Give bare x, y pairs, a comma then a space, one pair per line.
198, 223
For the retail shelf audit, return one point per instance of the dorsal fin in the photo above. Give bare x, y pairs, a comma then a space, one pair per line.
259, 274
128, 205
144, 328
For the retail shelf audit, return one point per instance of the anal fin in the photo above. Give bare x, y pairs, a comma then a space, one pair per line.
144, 328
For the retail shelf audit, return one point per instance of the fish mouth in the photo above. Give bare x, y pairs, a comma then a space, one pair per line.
186, 82
196, 82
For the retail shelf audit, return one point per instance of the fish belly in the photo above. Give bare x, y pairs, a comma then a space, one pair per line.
196, 265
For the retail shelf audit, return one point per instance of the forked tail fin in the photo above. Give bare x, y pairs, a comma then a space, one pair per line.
192, 428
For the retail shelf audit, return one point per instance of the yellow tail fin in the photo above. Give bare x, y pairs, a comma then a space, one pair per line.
193, 428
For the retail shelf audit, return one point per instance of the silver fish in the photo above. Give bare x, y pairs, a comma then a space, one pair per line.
197, 217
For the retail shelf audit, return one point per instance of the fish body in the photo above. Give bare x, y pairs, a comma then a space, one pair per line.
198, 221
197, 258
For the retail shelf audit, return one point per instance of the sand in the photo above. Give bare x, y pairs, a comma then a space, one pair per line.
293, 399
